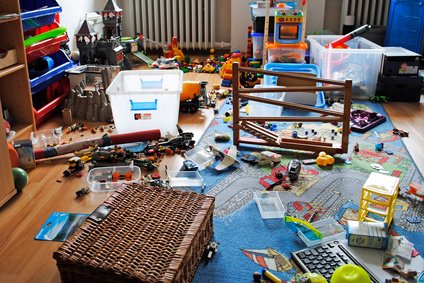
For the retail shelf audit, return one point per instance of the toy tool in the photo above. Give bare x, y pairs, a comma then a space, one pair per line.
340, 42
100, 141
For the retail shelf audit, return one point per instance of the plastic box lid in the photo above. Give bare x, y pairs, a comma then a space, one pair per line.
269, 204
292, 67
357, 45
330, 229
102, 179
146, 81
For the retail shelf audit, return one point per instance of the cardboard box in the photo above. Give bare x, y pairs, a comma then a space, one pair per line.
25, 153
367, 234
10, 59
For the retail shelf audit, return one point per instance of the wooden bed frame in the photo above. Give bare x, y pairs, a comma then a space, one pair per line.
269, 138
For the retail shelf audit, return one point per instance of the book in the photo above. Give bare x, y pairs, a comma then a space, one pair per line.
59, 226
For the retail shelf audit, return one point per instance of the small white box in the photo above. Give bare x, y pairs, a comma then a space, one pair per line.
269, 204
367, 234
359, 63
145, 100
185, 179
103, 179
330, 229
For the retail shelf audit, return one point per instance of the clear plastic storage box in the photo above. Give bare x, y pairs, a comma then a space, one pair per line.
200, 156
359, 63
46, 138
330, 229
258, 44
263, 109
104, 179
146, 100
269, 204
185, 179
286, 53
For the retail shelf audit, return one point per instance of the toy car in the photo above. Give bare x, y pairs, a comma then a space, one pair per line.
293, 169
74, 165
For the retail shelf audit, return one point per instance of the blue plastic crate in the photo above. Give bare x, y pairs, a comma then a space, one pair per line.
405, 25
291, 67
35, 14
61, 63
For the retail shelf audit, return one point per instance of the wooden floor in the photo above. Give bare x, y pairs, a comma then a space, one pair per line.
23, 259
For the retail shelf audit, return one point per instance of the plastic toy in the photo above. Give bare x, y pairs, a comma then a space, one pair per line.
74, 165
350, 273
105, 49
310, 278
264, 136
293, 169
400, 133
20, 178
381, 190
379, 98
165, 63
267, 274
363, 120
324, 159
340, 42
82, 191
190, 165
211, 250
228, 158
45, 35
288, 26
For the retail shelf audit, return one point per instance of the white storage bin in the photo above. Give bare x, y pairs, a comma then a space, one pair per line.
145, 100
269, 204
330, 229
264, 109
360, 63
104, 179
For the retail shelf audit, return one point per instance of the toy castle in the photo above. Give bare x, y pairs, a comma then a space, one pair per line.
105, 49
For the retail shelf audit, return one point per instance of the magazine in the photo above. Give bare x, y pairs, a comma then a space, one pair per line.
60, 225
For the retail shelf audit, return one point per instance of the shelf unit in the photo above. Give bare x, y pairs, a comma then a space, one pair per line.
15, 94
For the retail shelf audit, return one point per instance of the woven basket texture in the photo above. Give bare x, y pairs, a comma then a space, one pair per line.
150, 235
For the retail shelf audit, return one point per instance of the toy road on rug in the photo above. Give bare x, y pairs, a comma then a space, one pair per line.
249, 243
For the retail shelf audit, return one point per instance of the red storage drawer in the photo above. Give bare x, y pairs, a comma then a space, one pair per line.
45, 47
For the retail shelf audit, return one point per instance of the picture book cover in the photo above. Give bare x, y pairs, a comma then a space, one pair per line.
59, 226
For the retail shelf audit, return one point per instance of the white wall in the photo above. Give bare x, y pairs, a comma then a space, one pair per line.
72, 11
233, 18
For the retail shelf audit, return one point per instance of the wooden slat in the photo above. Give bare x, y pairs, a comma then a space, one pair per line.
292, 119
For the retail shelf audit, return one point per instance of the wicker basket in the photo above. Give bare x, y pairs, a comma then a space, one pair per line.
140, 234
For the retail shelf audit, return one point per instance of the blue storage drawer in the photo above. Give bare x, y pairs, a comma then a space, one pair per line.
38, 13
59, 64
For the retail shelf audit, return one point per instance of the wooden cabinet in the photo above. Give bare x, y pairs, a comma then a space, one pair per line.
15, 94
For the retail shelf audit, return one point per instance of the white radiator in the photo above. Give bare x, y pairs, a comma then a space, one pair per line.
372, 12
192, 21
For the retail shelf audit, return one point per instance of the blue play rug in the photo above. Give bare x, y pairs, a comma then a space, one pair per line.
249, 243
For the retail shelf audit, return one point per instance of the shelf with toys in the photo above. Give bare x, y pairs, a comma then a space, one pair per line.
47, 63
15, 98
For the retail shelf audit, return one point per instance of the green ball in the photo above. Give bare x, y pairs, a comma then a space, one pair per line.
350, 273
20, 178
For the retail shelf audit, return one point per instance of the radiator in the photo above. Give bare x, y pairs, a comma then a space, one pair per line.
192, 21
373, 12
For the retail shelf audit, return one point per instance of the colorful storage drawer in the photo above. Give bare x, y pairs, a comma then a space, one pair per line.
35, 14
